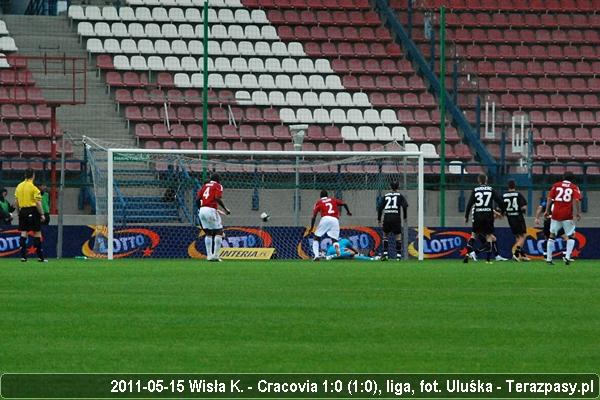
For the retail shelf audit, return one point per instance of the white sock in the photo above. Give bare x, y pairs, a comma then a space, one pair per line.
315, 248
208, 241
570, 247
218, 243
549, 249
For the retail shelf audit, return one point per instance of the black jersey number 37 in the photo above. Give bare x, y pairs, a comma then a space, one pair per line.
483, 199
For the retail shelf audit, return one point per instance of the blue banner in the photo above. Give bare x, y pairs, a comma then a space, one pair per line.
289, 242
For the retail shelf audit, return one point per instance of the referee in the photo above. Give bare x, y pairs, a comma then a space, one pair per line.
31, 215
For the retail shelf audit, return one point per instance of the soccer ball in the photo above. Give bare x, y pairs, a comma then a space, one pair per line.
265, 216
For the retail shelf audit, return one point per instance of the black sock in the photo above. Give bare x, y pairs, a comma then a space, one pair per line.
23, 243
398, 248
518, 251
470, 245
484, 248
385, 246
493, 249
37, 243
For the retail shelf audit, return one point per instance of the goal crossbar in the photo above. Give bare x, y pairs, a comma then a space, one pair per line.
268, 153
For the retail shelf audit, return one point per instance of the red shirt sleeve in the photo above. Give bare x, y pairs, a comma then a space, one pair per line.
339, 202
218, 191
316, 208
552, 193
576, 193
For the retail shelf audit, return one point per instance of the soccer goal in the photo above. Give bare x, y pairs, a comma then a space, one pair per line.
145, 199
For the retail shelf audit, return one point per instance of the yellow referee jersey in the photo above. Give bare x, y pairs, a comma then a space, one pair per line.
27, 194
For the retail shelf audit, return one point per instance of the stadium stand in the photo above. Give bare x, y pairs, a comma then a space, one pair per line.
24, 114
331, 65
539, 58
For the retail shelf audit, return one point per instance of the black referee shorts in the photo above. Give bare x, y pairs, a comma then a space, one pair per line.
29, 219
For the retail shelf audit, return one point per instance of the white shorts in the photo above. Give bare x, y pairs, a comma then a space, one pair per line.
567, 225
329, 226
209, 218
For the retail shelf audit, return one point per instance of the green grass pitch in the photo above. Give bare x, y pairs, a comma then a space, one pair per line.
298, 316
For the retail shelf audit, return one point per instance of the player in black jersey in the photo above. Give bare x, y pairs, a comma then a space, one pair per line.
516, 205
481, 204
390, 206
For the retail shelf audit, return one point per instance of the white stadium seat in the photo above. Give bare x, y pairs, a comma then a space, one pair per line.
399, 133
3, 61
93, 45
252, 32
283, 82
193, 15
269, 32
355, 116
232, 81
153, 31
119, 29
273, 65
242, 17
361, 99
113, 46
316, 82
365, 133
229, 48
306, 66
146, 46
383, 133
155, 63
246, 48
311, 99
333, 82
222, 64
304, 115
179, 47
287, 115
338, 116
266, 81
225, 15
344, 99
189, 64
322, 116
85, 29
327, 99
143, 14
219, 32
196, 47
172, 63
263, 49
110, 13
102, 29
160, 14
162, 47
136, 30
176, 15
300, 82
295, 49
243, 97
215, 81
260, 98
429, 150
186, 31
259, 17
389, 117
349, 133
169, 31
76, 13
182, 80
294, 98
127, 14
138, 63
128, 46
279, 49
372, 117
277, 98
322, 66
121, 62
256, 65
93, 13
289, 66
235, 32
249, 81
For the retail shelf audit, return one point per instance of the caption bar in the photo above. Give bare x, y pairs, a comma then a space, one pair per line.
293, 386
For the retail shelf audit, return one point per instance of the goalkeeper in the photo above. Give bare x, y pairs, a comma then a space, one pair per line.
346, 252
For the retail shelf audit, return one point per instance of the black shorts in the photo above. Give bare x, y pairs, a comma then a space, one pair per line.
483, 225
392, 225
517, 225
29, 219
46, 219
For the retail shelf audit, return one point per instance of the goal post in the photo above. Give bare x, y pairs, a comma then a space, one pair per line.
154, 189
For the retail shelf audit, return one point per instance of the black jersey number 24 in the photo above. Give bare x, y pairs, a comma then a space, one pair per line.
483, 199
511, 204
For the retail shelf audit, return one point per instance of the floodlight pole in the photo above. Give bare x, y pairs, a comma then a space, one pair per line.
298, 132
53, 157
205, 94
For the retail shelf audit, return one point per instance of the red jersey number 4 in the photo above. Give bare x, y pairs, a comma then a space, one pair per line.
563, 194
209, 193
328, 207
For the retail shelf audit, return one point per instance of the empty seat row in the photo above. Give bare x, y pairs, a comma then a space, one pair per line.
338, 116
146, 46
529, 52
383, 82
563, 152
553, 118
21, 94
509, 5
567, 134
185, 3
518, 20
304, 99
532, 68
24, 111
31, 129
174, 14
191, 114
380, 133
518, 36
170, 31
312, 4
546, 84
355, 50
544, 101
324, 17
241, 132
334, 33
13, 76
263, 81
28, 147
372, 66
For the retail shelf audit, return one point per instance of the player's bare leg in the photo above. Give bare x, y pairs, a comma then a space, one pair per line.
519, 254
398, 247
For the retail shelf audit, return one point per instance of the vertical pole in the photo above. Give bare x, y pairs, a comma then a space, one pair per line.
530, 172
61, 202
297, 194
53, 193
421, 205
442, 117
109, 209
455, 78
410, 15
205, 94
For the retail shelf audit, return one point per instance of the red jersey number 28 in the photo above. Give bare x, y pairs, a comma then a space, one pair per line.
564, 195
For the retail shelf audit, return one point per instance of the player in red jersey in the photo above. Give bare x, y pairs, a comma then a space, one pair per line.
209, 199
562, 196
329, 225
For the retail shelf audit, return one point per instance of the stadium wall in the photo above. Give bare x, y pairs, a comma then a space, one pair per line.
289, 242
